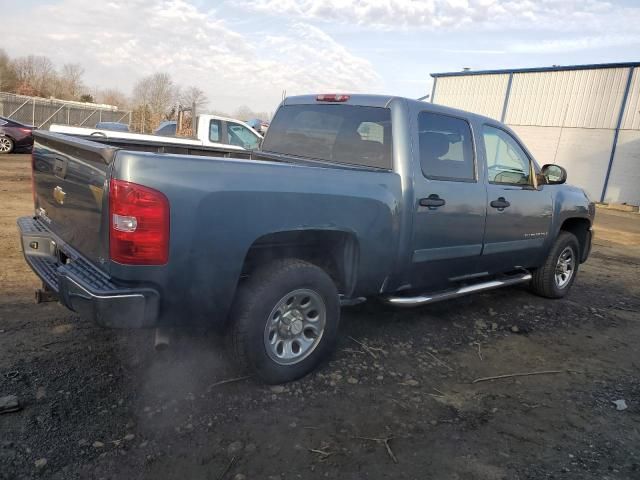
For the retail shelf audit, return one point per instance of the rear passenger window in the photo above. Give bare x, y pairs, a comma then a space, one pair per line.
446, 149
214, 131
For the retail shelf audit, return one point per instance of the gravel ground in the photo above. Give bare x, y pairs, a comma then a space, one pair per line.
397, 401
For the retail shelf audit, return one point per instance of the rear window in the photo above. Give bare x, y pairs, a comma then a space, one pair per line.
336, 133
446, 147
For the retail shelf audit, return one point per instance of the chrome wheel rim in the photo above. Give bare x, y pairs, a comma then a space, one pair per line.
565, 267
295, 326
5, 145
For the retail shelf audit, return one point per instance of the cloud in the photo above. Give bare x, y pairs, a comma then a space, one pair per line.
455, 14
122, 40
575, 44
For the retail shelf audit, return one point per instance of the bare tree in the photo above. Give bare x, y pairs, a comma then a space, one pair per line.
156, 94
35, 75
162, 93
191, 95
245, 113
7, 73
71, 79
113, 96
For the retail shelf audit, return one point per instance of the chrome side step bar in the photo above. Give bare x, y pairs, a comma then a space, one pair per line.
449, 294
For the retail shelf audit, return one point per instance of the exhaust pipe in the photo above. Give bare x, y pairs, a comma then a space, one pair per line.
449, 294
162, 338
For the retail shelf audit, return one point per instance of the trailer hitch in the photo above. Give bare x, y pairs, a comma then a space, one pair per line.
45, 294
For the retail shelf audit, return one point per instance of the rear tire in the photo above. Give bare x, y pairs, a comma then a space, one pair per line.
555, 277
6, 145
284, 320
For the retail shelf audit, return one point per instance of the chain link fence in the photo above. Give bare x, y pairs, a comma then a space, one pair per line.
42, 112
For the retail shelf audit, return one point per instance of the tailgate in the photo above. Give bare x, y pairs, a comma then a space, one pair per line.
69, 179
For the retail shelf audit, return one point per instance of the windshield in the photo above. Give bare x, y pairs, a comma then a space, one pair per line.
337, 133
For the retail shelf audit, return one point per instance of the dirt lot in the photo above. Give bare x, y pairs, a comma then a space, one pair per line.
102, 404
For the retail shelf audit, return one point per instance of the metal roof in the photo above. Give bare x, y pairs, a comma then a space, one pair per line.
594, 66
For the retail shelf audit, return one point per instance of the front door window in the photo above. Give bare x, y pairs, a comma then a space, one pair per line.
507, 163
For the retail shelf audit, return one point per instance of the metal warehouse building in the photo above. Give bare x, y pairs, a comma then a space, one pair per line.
585, 118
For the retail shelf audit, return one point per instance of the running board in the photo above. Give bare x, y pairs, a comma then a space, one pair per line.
449, 294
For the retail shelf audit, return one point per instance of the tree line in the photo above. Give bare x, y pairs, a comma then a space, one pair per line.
154, 98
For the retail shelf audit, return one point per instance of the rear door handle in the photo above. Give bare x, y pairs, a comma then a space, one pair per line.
500, 203
432, 201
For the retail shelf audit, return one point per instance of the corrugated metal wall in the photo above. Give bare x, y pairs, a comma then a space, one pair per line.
462, 92
624, 182
631, 119
573, 98
568, 117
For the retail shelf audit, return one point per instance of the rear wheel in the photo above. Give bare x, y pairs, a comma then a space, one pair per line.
285, 320
6, 145
555, 277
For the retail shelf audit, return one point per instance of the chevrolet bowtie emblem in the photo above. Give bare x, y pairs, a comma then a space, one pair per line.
58, 195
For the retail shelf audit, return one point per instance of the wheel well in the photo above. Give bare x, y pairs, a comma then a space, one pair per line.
334, 251
580, 228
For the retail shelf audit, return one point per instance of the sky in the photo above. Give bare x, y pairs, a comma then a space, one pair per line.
247, 52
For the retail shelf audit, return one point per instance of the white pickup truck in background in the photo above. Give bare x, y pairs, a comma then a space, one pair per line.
211, 131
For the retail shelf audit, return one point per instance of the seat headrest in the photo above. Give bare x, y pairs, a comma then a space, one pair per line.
433, 144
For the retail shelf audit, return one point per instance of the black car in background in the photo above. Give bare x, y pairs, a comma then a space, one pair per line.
15, 136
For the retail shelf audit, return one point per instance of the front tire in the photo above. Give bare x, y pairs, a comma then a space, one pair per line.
285, 320
6, 145
555, 277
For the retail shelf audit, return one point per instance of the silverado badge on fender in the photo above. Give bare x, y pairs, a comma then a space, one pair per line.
58, 195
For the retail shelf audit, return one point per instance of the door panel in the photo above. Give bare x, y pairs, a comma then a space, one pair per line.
518, 214
450, 204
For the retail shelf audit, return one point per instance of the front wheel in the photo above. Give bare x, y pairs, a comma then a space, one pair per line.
285, 320
555, 277
6, 145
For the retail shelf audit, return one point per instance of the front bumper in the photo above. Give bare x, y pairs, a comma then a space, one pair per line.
82, 287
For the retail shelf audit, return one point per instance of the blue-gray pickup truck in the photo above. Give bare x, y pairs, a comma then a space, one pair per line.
349, 197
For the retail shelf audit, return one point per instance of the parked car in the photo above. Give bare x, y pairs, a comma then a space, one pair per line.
350, 197
15, 136
211, 131
167, 128
115, 126
258, 125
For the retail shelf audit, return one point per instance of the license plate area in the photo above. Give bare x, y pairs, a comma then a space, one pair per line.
40, 246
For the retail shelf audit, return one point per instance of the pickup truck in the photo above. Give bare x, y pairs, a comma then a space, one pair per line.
350, 197
211, 131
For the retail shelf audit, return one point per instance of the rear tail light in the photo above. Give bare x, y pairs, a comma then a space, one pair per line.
26, 130
138, 224
332, 97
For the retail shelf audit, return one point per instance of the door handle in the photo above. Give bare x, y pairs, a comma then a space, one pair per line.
500, 203
432, 201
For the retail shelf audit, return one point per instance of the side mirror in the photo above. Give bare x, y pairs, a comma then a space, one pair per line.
554, 174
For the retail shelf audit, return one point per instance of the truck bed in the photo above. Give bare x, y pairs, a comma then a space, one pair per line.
154, 146
222, 204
